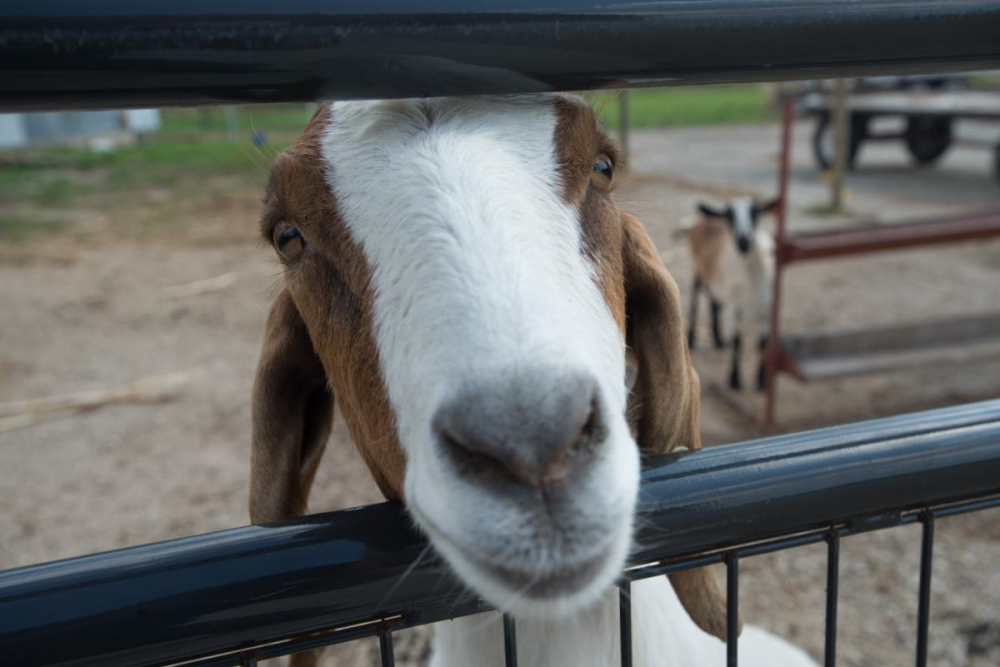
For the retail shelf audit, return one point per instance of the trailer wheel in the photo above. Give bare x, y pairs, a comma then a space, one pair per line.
822, 142
928, 137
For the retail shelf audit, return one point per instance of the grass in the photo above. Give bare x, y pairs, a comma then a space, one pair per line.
263, 118
676, 107
16, 228
195, 150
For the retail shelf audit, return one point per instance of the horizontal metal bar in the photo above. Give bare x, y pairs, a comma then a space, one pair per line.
891, 236
114, 53
238, 589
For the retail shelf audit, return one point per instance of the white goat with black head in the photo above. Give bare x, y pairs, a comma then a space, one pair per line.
734, 264
459, 278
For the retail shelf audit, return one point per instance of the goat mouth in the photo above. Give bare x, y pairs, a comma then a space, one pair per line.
557, 582
560, 582
526, 583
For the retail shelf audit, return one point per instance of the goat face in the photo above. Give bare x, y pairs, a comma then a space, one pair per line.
742, 215
458, 275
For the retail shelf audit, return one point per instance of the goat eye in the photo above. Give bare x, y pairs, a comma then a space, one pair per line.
287, 238
603, 167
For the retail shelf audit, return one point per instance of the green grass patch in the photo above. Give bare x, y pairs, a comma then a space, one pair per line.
16, 228
989, 81
54, 177
675, 107
193, 151
828, 210
264, 118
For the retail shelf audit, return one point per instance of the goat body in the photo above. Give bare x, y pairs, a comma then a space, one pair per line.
663, 635
734, 264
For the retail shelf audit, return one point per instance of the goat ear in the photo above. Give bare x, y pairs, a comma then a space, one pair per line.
292, 412
664, 404
769, 207
711, 211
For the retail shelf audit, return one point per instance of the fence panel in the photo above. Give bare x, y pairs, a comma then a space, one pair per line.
341, 573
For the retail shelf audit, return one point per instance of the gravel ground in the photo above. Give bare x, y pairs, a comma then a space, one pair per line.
86, 311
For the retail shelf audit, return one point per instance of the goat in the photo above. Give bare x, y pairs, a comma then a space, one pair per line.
458, 277
734, 263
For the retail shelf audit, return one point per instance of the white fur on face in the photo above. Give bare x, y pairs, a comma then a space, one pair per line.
477, 270
743, 218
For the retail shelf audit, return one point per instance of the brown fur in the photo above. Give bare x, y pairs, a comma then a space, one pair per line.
327, 298
321, 327
642, 296
706, 238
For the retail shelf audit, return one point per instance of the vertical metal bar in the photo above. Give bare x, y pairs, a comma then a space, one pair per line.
385, 648
924, 610
832, 585
732, 608
509, 641
772, 357
625, 622
841, 132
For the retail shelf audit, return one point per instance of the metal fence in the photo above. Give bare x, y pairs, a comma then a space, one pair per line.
250, 593
117, 53
261, 591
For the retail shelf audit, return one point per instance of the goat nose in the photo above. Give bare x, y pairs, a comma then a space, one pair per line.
535, 430
743, 243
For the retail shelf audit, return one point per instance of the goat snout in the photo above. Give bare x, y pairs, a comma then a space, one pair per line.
743, 243
534, 431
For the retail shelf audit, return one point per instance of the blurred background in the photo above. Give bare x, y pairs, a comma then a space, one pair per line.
133, 290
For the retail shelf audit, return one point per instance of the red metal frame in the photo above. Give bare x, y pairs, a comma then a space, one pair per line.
841, 242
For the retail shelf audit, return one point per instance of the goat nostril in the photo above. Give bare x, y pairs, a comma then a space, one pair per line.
537, 443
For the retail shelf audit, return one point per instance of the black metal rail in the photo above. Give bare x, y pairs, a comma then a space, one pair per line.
261, 591
116, 53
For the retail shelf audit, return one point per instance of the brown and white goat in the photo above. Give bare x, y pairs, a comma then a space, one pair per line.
734, 264
458, 278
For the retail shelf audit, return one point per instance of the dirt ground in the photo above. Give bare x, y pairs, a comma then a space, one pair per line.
92, 309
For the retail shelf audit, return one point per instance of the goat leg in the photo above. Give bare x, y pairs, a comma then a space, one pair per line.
762, 365
716, 328
734, 372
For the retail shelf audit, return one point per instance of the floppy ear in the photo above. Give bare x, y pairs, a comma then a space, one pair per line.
292, 410
664, 404
710, 211
769, 207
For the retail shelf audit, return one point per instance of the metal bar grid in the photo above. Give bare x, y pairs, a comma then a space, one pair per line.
729, 557
899, 471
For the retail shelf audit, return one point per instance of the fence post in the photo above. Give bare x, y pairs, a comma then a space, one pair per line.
623, 121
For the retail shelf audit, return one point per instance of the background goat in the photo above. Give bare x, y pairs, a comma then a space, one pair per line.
458, 276
734, 264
